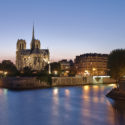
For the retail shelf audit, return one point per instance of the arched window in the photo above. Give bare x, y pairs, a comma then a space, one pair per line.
20, 46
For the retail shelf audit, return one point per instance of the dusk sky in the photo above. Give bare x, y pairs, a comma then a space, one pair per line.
67, 27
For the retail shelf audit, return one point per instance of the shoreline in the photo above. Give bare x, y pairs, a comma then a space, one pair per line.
45, 87
116, 94
27, 83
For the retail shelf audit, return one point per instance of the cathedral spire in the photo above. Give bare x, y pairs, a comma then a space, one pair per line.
33, 37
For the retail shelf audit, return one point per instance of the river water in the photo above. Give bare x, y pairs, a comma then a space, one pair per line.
83, 105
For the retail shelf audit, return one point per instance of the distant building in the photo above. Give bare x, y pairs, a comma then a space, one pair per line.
35, 58
65, 66
91, 64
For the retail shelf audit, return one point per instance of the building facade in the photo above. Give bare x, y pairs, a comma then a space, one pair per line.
91, 64
65, 67
35, 57
64, 64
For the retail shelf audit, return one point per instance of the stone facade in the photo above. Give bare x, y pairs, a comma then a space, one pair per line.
35, 58
64, 64
91, 64
33, 83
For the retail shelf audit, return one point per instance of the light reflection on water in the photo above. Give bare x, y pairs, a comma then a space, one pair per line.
85, 105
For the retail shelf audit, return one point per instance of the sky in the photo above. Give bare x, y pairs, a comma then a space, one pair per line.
66, 27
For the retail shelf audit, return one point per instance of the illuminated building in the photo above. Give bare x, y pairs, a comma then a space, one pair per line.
65, 66
91, 64
35, 58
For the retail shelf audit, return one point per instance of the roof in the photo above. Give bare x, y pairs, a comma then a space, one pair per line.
34, 51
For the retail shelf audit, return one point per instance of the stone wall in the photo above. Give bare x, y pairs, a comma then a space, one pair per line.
99, 79
66, 81
32, 82
122, 85
22, 83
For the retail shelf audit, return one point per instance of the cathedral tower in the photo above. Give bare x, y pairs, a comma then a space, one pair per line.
21, 44
35, 44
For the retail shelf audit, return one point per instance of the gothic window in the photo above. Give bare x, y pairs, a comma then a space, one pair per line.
35, 60
39, 59
20, 46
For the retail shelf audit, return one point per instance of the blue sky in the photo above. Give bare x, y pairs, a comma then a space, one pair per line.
67, 27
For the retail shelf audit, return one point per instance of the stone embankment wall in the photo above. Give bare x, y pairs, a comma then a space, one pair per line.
32, 82
122, 85
99, 79
66, 81
22, 83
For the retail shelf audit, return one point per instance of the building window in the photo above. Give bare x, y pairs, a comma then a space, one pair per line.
20, 46
37, 46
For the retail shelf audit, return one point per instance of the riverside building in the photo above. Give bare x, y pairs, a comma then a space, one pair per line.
91, 64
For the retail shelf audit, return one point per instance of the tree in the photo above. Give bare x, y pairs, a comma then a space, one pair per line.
116, 64
72, 72
8, 66
44, 77
27, 71
55, 66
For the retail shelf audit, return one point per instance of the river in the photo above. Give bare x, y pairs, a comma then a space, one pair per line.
81, 105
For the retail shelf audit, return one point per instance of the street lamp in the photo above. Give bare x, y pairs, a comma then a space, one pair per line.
49, 67
48, 62
93, 69
86, 72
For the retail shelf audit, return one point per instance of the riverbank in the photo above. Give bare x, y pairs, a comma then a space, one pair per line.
26, 83
23, 83
116, 94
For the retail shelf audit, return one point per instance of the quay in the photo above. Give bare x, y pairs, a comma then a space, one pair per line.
20, 83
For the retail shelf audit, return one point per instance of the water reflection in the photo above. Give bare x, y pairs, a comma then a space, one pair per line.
113, 85
55, 95
55, 101
55, 91
86, 87
94, 98
85, 92
94, 90
3, 91
119, 112
67, 92
86, 105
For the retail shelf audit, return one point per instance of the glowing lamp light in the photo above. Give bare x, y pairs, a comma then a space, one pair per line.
86, 87
5, 73
94, 69
55, 72
67, 71
67, 92
86, 72
55, 91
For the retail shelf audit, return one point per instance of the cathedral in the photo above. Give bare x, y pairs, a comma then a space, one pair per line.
35, 57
